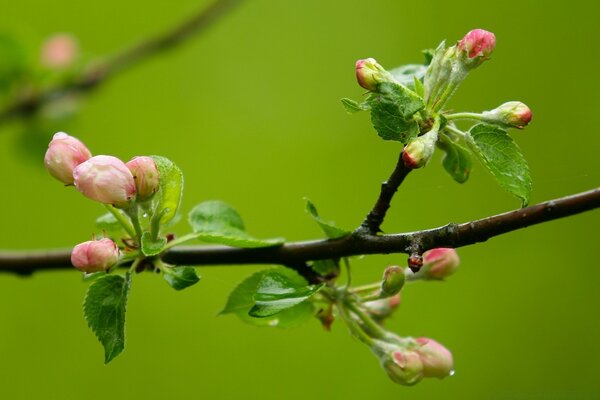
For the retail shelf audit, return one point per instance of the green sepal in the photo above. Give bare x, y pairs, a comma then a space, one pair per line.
276, 292
104, 310
241, 300
170, 189
180, 278
497, 151
329, 228
152, 247
217, 222
457, 160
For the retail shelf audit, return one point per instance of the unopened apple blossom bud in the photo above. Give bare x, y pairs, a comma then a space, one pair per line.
477, 46
59, 51
382, 309
95, 255
512, 114
145, 175
370, 74
437, 360
439, 263
417, 153
105, 179
393, 281
63, 155
403, 366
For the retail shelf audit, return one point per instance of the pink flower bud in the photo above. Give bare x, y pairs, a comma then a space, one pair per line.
381, 309
370, 74
403, 366
145, 175
105, 179
417, 153
512, 114
437, 360
95, 255
63, 155
478, 43
393, 281
440, 263
59, 51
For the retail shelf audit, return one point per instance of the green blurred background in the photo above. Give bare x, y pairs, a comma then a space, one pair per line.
250, 111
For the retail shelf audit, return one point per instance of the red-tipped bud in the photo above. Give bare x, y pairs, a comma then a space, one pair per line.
417, 153
95, 255
145, 175
478, 43
63, 155
439, 263
59, 51
381, 309
393, 281
370, 74
105, 179
437, 360
512, 114
403, 366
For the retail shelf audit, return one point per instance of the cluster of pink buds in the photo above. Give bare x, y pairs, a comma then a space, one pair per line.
105, 179
411, 360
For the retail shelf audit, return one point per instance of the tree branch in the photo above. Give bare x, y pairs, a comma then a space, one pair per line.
92, 77
372, 223
296, 254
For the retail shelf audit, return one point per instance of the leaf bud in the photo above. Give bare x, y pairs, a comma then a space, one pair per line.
105, 179
145, 175
63, 155
512, 114
437, 360
370, 74
95, 255
402, 365
393, 281
439, 263
476, 47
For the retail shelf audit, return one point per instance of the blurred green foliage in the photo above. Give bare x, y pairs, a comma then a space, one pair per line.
250, 111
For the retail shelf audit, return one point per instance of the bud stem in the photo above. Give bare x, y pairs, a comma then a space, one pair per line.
133, 213
465, 115
372, 328
355, 329
122, 220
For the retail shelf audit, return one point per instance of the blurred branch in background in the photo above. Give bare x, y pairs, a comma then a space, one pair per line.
296, 254
28, 102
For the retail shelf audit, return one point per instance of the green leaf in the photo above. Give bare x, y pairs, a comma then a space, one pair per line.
276, 292
109, 224
352, 106
325, 267
331, 231
104, 310
419, 88
181, 277
407, 74
93, 276
241, 300
502, 157
171, 188
392, 111
217, 222
457, 160
151, 247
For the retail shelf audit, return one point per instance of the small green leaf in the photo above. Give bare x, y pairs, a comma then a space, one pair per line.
241, 300
217, 222
331, 231
502, 157
151, 247
419, 88
428, 54
171, 188
181, 277
104, 309
352, 106
109, 224
392, 111
325, 267
407, 74
276, 292
457, 160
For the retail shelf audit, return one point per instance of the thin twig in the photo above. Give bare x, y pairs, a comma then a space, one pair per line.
372, 223
296, 254
92, 77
